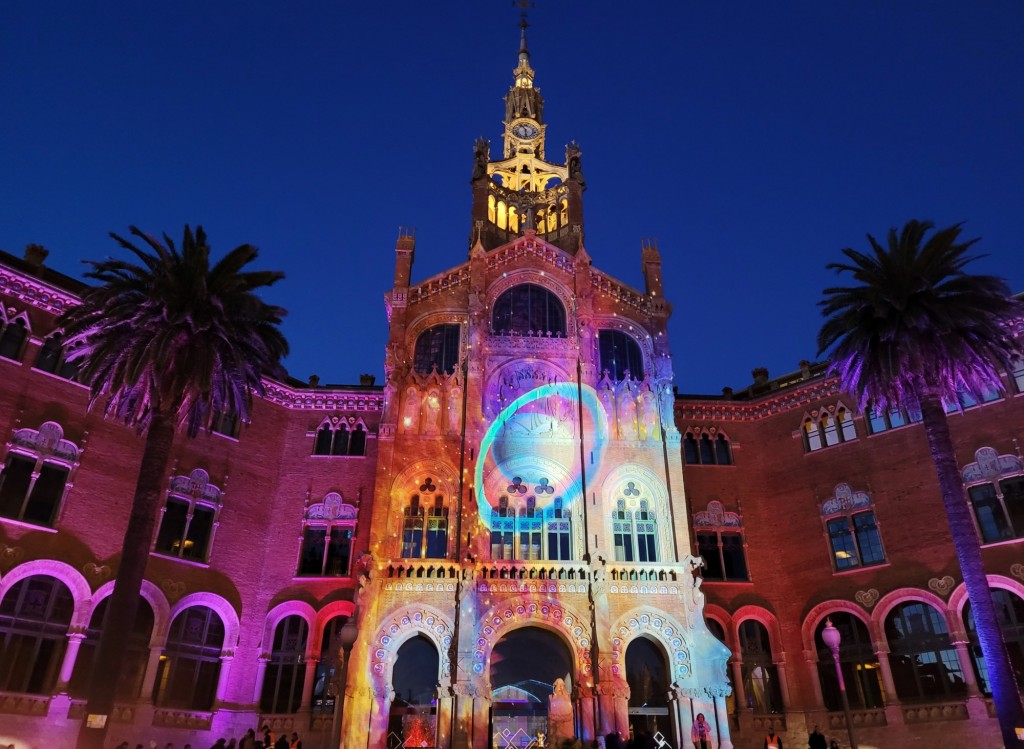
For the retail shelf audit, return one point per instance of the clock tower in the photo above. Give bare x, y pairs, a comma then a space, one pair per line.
522, 190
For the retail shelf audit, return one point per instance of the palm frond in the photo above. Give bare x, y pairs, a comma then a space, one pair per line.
916, 319
170, 334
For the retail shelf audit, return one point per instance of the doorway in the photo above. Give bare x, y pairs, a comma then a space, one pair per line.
524, 666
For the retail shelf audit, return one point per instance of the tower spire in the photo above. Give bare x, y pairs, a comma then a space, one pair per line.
524, 51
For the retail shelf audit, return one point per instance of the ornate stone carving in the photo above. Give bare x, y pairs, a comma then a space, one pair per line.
96, 573
867, 598
173, 589
942, 586
1017, 570
10, 555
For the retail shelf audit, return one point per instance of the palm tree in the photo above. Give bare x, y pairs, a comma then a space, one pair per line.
167, 341
916, 330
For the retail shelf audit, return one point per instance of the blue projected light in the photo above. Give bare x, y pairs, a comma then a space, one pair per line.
567, 390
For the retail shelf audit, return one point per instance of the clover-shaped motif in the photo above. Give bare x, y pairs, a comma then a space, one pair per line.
428, 485
631, 490
517, 486
544, 487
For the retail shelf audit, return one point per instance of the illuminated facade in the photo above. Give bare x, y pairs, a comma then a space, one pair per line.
524, 499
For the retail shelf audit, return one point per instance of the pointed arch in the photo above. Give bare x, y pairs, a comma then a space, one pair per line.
554, 616
400, 625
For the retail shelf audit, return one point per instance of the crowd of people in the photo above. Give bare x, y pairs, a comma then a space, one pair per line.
265, 739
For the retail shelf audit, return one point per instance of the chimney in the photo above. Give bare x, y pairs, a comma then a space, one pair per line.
727, 392
35, 255
805, 369
367, 380
314, 380
760, 375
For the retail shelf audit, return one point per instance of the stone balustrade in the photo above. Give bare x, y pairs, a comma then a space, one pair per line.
194, 719
874, 716
935, 711
15, 703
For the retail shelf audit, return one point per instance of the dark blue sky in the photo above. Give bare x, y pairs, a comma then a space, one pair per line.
753, 140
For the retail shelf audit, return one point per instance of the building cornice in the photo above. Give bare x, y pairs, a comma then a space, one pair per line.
34, 292
779, 402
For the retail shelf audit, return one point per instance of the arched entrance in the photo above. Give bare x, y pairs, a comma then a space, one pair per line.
413, 718
647, 672
524, 666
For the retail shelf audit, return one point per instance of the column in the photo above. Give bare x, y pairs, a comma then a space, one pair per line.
585, 714
780, 669
976, 708
812, 672
622, 713
307, 684
261, 673
722, 719
606, 700
149, 679
380, 711
737, 684
222, 679
683, 717
481, 721
358, 712
966, 667
67, 666
882, 653
445, 705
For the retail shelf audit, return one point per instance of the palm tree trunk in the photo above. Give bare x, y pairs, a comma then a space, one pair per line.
124, 601
1004, 688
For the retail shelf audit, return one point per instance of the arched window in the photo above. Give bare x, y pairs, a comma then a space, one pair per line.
995, 486
327, 533
188, 671
760, 674
707, 448
720, 543
52, 359
189, 517
881, 420
135, 654
12, 338
1010, 614
437, 347
529, 309
503, 527
854, 539
286, 669
856, 658
829, 429
923, 662
634, 528
425, 529
530, 533
513, 219
33, 480
336, 436
323, 688
620, 353
502, 215
34, 618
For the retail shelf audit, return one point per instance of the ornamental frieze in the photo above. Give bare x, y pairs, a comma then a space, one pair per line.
770, 406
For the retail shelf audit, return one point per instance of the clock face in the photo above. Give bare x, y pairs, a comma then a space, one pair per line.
525, 130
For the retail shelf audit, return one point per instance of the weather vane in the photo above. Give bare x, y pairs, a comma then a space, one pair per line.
523, 5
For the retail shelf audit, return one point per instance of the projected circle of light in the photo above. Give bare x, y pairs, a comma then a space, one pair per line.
586, 394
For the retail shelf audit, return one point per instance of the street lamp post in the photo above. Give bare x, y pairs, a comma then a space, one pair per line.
831, 637
341, 649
